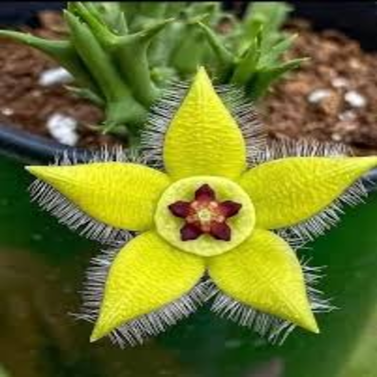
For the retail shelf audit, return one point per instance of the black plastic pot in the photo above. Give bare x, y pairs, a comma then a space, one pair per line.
356, 19
204, 345
18, 13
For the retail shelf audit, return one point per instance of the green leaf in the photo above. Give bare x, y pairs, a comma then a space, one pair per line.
271, 14
131, 54
248, 62
87, 94
99, 63
225, 58
190, 50
163, 46
155, 10
95, 58
110, 13
124, 53
263, 78
101, 31
174, 9
272, 56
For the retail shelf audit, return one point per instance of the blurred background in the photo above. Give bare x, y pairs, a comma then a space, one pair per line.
42, 264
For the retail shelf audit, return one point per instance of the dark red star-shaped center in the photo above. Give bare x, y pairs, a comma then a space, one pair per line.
205, 215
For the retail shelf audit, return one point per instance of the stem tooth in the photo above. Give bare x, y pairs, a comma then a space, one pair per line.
131, 54
62, 51
225, 57
121, 107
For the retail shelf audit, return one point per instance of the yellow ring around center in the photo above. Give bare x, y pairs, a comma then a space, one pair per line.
168, 226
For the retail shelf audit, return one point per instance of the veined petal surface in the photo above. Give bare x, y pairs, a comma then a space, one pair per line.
147, 274
288, 191
203, 138
123, 195
264, 273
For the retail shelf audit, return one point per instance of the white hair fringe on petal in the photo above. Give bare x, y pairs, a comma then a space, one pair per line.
140, 329
245, 114
309, 229
135, 332
162, 113
275, 330
67, 212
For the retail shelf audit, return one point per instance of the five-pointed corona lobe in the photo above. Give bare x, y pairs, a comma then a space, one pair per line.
205, 215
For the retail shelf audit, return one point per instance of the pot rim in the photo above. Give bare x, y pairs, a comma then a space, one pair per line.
29, 148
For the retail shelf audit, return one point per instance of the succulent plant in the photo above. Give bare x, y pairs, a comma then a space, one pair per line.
123, 54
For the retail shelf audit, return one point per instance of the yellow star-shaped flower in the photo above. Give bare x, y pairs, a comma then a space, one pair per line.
207, 213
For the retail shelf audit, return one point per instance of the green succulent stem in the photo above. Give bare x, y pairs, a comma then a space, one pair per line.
248, 62
133, 50
260, 83
62, 51
123, 55
188, 54
153, 9
122, 108
87, 94
130, 53
225, 58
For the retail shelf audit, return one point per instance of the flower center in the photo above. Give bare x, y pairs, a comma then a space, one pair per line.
205, 215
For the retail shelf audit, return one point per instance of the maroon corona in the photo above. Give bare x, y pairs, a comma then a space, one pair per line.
205, 215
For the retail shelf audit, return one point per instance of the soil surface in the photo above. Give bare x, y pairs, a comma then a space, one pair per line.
332, 97
27, 104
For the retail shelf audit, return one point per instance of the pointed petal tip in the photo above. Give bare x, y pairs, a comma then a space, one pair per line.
313, 328
104, 325
42, 172
35, 170
96, 334
202, 74
310, 323
93, 339
371, 160
364, 163
202, 70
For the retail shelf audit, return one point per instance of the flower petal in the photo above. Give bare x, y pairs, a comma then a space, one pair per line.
288, 191
123, 195
180, 208
203, 138
228, 208
205, 193
221, 231
190, 232
264, 273
146, 275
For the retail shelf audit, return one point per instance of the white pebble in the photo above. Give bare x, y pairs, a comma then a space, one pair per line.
63, 128
355, 99
318, 95
7, 111
340, 82
347, 115
336, 137
55, 76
